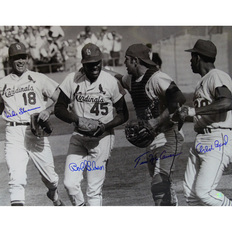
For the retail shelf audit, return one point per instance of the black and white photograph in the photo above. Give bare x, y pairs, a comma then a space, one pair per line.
91, 115
131, 117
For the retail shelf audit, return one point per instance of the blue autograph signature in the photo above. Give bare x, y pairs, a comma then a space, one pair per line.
153, 158
88, 165
217, 144
21, 111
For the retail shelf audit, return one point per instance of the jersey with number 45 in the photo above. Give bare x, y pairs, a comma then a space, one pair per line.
92, 100
25, 95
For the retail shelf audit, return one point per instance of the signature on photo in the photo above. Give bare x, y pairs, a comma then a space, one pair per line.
153, 158
21, 111
88, 165
203, 149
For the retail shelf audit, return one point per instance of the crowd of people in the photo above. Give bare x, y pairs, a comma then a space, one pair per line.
51, 52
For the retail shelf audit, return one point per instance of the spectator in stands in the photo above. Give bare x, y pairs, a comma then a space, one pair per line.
156, 59
106, 45
32, 45
155, 56
79, 45
90, 37
54, 55
20, 37
3, 57
57, 33
116, 48
149, 45
69, 54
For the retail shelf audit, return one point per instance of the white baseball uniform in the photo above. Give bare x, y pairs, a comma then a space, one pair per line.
23, 96
212, 148
90, 101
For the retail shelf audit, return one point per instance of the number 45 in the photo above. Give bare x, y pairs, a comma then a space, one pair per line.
99, 108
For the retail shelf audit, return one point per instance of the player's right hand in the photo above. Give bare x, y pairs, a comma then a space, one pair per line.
182, 113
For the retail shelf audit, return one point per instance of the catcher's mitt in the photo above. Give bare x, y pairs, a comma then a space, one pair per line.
40, 128
139, 133
90, 127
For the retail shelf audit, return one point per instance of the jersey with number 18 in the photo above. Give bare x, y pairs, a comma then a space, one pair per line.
25, 95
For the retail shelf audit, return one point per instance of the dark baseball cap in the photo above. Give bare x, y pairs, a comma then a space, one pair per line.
17, 49
90, 53
140, 51
204, 47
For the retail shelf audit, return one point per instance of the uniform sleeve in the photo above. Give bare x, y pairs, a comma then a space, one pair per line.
219, 80
126, 82
49, 86
66, 85
159, 84
117, 91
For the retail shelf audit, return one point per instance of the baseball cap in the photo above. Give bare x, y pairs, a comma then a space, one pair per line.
140, 51
17, 49
90, 53
204, 47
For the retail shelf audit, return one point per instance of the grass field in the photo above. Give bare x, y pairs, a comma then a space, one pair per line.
124, 184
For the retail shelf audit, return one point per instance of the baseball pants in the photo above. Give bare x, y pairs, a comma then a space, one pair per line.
166, 148
164, 151
90, 155
20, 146
206, 163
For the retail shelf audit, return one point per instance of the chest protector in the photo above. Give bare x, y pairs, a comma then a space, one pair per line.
145, 108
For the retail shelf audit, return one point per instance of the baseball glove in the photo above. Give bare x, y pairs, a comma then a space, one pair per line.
90, 127
40, 128
139, 133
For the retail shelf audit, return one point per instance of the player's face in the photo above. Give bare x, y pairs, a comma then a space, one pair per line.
129, 65
19, 64
92, 70
194, 62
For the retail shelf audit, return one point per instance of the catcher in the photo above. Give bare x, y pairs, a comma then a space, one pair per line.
155, 97
87, 99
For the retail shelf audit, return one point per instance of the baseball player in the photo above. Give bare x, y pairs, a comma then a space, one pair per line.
211, 152
90, 94
22, 93
155, 96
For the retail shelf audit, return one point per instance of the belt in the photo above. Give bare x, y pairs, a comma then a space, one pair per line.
209, 130
18, 124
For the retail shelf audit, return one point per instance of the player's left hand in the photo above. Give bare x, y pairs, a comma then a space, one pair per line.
44, 115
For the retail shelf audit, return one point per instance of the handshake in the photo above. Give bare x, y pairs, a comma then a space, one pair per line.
182, 112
